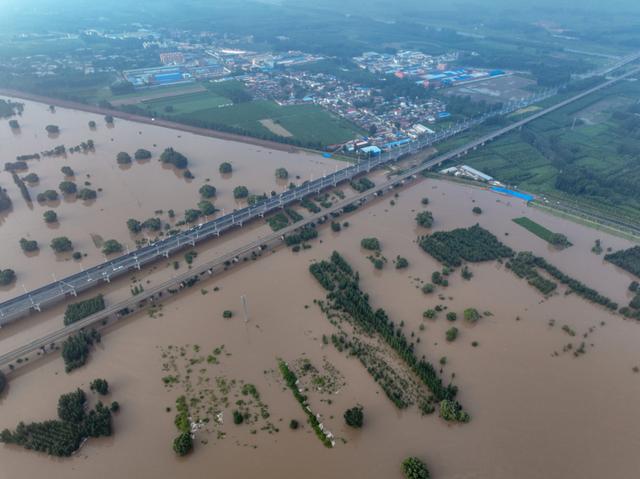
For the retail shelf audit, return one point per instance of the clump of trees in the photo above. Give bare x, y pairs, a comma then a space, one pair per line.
559, 240
63, 436
92, 124
628, 259
101, 386
466, 273
472, 315
50, 216
310, 205
451, 334
77, 311
14, 125
48, 195
67, 171
282, 173
401, 262
61, 244
7, 276
191, 215
346, 297
153, 224
134, 226
5, 201
111, 246
52, 129
207, 191
31, 178
372, 244
240, 192
451, 411
428, 288
255, 199
525, 265
87, 194
174, 158
238, 418
123, 158
278, 221
68, 187
425, 219
206, 207
76, 348
28, 246
108, 119
183, 444
414, 468
354, 416
477, 210
362, 184
473, 244
225, 168
16, 166
304, 234
142, 154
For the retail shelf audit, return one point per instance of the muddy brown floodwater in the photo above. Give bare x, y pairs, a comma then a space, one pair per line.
134, 191
536, 411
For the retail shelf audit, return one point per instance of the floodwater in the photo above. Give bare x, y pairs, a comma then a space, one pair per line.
135, 191
534, 413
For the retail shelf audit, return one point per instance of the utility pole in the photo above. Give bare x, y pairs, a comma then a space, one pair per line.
245, 311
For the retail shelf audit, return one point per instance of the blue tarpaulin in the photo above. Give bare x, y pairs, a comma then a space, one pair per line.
517, 194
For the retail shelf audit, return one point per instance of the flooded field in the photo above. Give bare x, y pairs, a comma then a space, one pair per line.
141, 190
537, 410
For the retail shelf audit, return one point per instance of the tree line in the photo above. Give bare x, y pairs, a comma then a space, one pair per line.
345, 295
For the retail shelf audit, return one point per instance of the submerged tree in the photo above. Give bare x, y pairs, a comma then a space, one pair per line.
50, 216
414, 468
282, 173
240, 192
68, 187
183, 444
425, 219
142, 154
354, 416
61, 244
207, 191
7, 276
123, 158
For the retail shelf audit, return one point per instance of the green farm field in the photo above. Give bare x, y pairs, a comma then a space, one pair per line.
585, 154
306, 123
539, 230
186, 104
